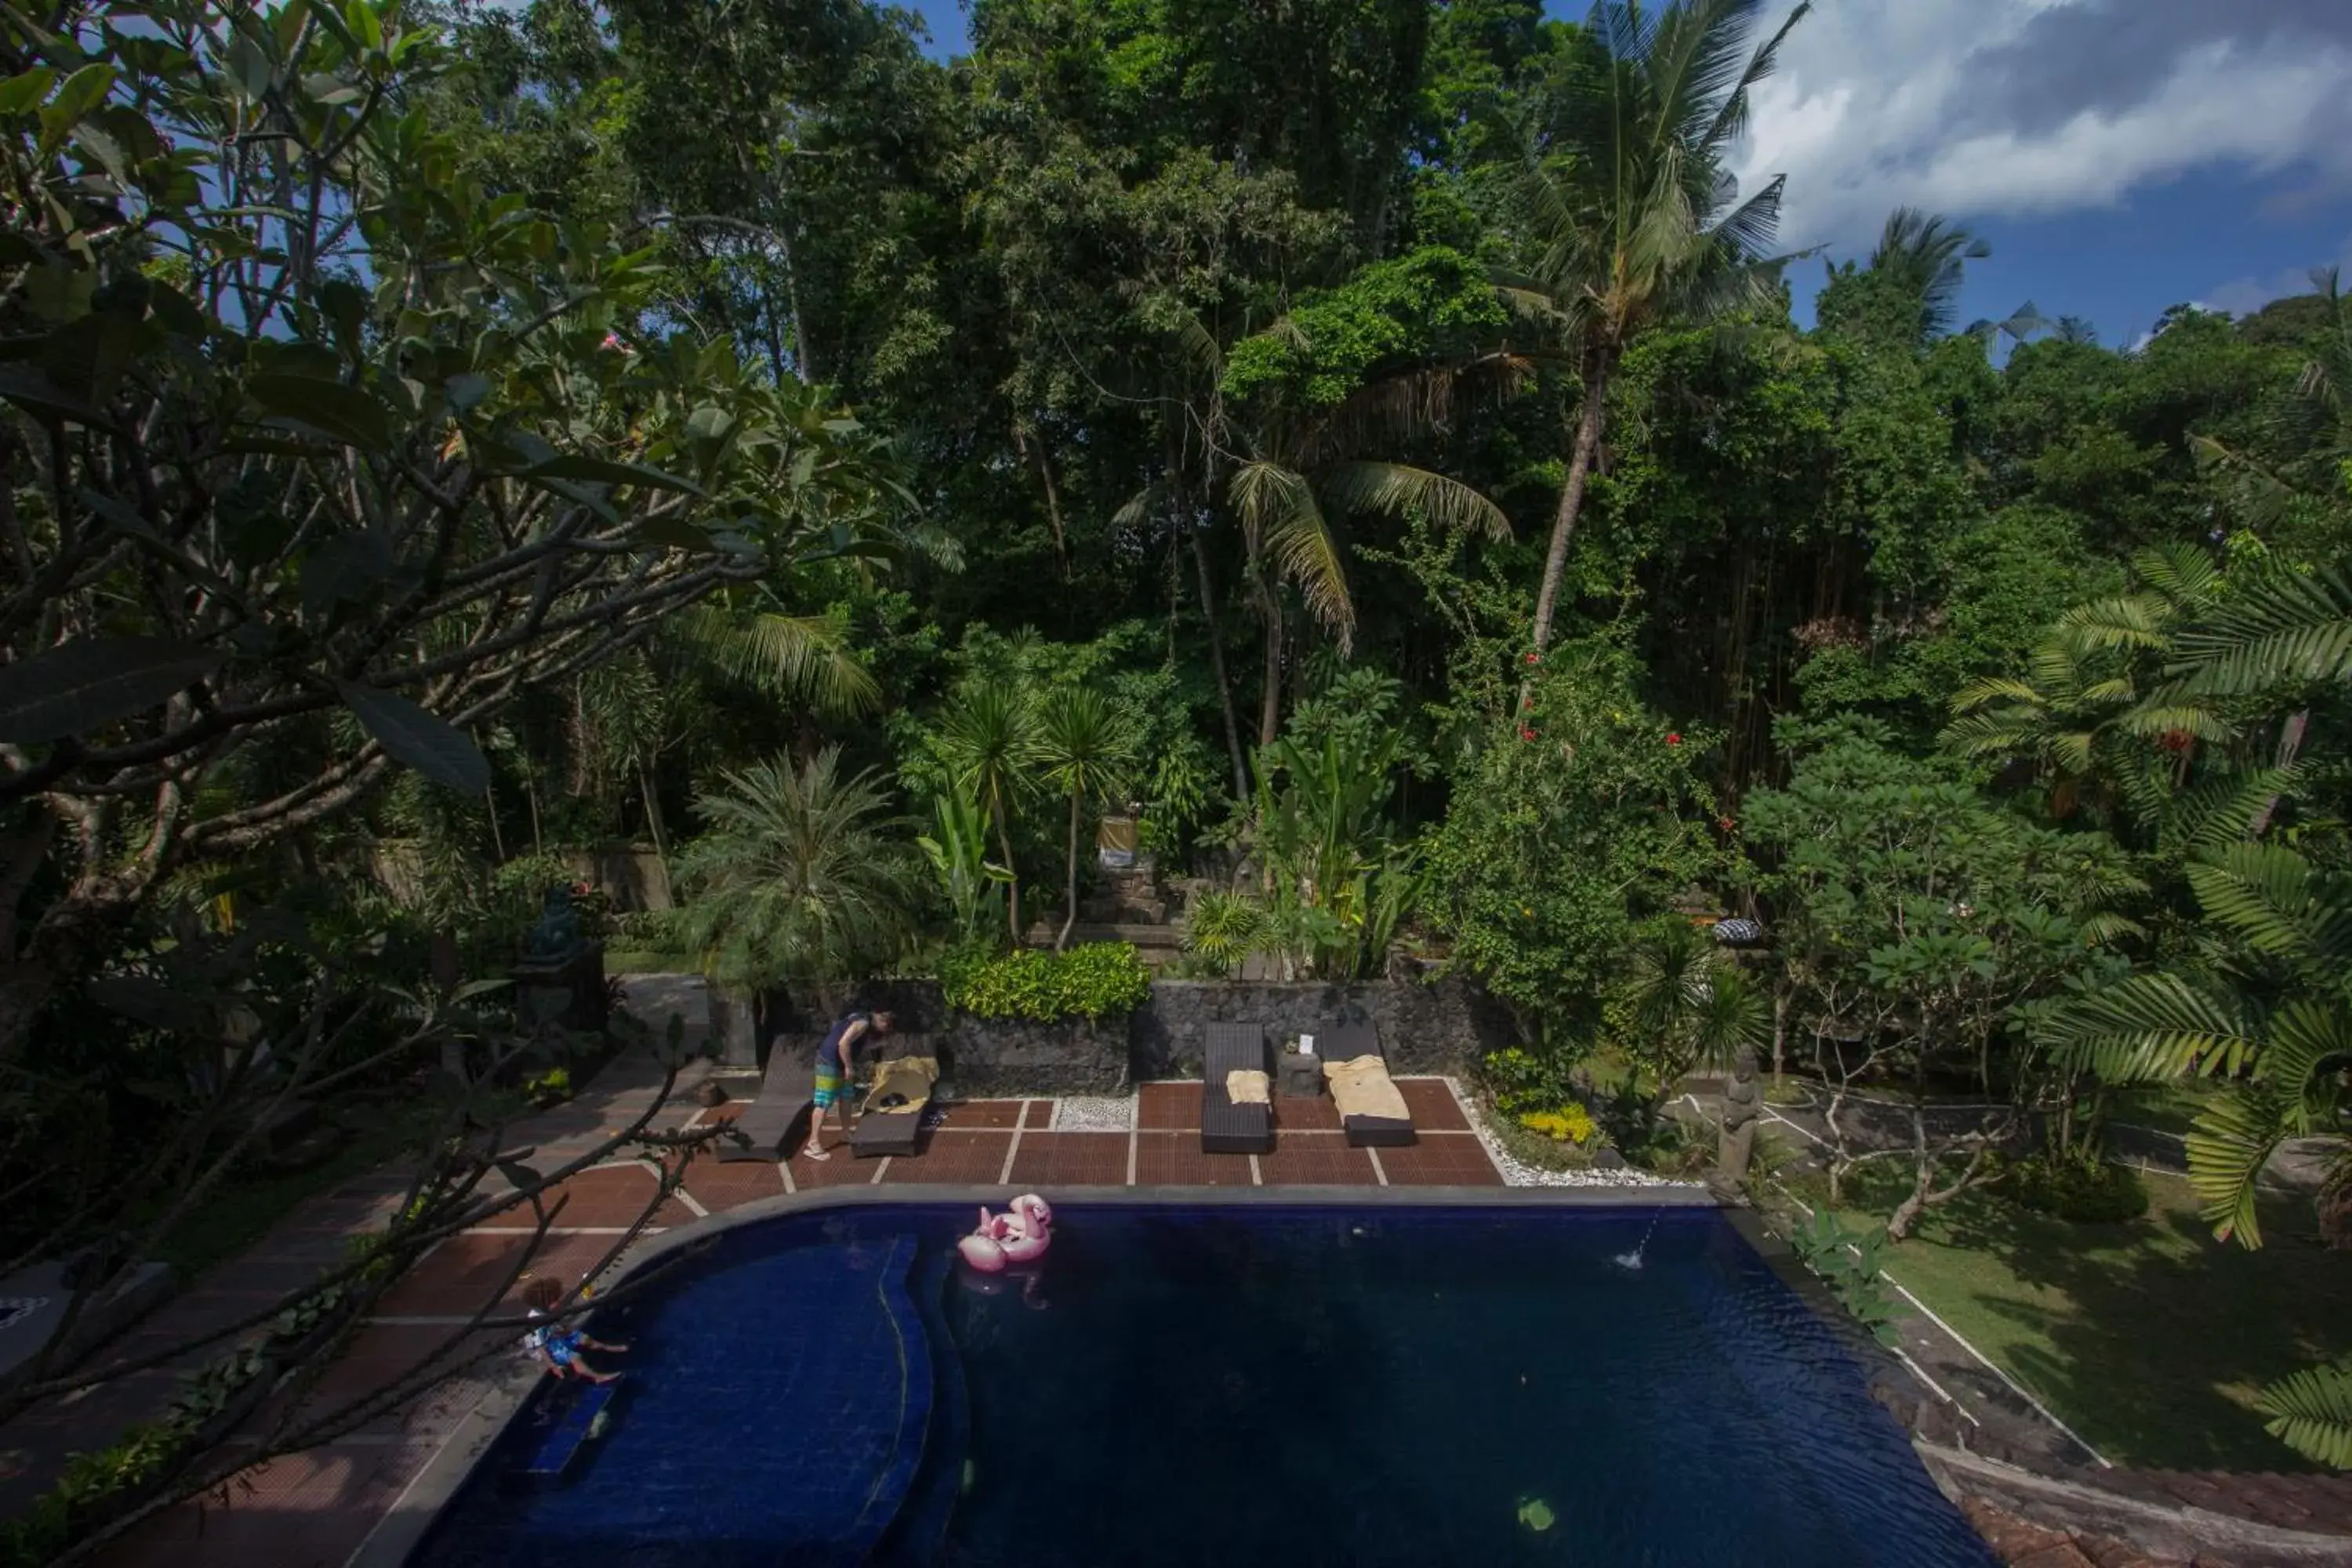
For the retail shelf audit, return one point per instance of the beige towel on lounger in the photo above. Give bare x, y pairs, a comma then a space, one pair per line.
1245, 1086
909, 1076
1362, 1088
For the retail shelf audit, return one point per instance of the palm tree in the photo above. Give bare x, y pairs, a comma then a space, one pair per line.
1926, 256
991, 741
1085, 749
801, 877
2277, 1026
1628, 213
1691, 1004
2093, 712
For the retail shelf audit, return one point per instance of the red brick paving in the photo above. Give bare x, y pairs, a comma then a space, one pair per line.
1037, 1114
1070, 1159
970, 1113
1175, 1160
1316, 1159
1303, 1115
1433, 1106
609, 1195
839, 1168
719, 1186
949, 1154
305, 1510
1441, 1160
1174, 1106
465, 1271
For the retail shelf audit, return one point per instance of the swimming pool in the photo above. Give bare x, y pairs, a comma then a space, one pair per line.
1227, 1384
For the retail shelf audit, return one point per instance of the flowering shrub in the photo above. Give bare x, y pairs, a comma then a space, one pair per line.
1571, 1124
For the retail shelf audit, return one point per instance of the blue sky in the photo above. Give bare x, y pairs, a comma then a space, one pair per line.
2121, 156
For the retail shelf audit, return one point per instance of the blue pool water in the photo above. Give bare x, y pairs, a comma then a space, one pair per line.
1233, 1385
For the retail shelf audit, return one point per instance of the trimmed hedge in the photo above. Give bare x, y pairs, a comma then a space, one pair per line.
1091, 981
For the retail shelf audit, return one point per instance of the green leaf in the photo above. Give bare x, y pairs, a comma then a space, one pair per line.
149, 1002
86, 357
248, 66
83, 92
31, 389
23, 94
675, 534
84, 685
601, 471
338, 412
466, 390
425, 741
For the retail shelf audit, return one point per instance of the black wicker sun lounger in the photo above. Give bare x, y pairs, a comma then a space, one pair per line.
884, 1128
770, 1121
1227, 1128
1345, 1043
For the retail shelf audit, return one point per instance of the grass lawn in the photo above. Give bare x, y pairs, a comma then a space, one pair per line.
2148, 1338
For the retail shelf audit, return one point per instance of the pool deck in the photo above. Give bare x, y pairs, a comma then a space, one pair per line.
362, 1497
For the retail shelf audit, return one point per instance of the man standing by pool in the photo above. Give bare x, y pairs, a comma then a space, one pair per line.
836, 1072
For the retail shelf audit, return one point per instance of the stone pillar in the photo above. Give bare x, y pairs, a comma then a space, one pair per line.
1738, 1144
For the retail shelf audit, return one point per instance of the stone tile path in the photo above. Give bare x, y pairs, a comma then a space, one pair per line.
318, 1507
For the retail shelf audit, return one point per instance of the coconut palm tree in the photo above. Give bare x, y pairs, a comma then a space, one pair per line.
990, 739
801, 877
1926, 256
1085, 750
1627, 214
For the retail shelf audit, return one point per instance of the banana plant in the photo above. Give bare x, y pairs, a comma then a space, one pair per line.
957, 850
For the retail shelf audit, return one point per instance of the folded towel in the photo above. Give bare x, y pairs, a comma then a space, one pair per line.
910, 1077
1362, 1088
1245, 1086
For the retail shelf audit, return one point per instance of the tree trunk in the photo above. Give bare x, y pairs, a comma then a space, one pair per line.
1571, 497
1070, 889
1269, 714
1013, 887
1053, 497
1217, 667
653, 813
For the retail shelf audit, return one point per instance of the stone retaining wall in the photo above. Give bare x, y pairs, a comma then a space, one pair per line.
1425, 1028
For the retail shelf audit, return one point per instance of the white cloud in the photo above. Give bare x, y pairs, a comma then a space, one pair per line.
2032, 108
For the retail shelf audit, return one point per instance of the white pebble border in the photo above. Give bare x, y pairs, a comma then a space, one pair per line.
1093, 1114
1518, 1174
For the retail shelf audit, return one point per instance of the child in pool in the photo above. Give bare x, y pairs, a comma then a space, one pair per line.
556, 1347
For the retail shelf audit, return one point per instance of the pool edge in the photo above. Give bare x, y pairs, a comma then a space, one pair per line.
396, 1536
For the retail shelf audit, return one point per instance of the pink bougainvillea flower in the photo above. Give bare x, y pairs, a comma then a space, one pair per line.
1725, 823
1535, 658
1673, 739
1526, 734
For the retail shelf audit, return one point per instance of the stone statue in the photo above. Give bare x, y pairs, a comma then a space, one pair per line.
1740, 1113
556, 938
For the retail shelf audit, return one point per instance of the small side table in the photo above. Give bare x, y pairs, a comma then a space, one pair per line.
1299, 1076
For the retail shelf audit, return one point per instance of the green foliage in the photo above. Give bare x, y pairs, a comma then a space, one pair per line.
1523, 1080
1392, 314
2311, 1412
2084, 1189
1577, 822
802, 877
1092, 981
1571, 1124
1847, 1260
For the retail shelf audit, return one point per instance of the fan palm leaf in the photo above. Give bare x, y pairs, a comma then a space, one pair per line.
2150, 1027
2279, 903
799, 658
2279, 629
1282, 521
2311, 1412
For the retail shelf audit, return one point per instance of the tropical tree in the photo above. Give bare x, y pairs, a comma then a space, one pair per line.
1925, 257
991, 741
957, 849
1626, 212
352, 520
1085, 750
801, 877
2094, 714
1691, 1005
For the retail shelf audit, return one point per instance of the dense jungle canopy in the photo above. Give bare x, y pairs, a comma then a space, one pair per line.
1369, 440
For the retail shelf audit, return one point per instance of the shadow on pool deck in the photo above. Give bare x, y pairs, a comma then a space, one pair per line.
319, 1507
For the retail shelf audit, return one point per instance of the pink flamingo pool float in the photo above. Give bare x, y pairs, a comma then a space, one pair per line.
1020, 1235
